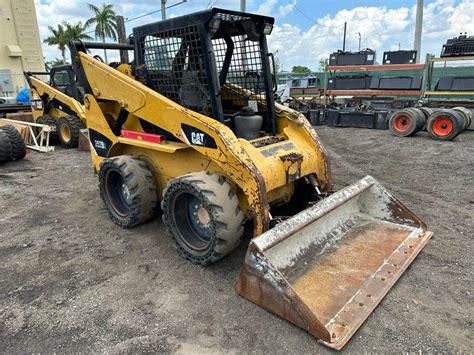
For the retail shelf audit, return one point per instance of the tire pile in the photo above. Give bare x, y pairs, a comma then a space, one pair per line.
12, 146
441, 124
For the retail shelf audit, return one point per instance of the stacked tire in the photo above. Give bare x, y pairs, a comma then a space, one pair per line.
446, 124
406, 122
441, 124
12, 146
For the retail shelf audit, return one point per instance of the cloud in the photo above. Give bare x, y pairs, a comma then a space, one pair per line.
266, 7
381, 29
284, 10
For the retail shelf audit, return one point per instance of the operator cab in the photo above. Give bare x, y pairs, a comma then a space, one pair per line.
214, 62
63, 78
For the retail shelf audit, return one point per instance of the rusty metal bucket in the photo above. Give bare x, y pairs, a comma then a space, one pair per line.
326, 268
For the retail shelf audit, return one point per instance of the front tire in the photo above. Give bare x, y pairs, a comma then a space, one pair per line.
68, 128
201, 212
128, 190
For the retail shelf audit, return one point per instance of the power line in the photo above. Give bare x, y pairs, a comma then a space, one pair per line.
147, 14
154, 12
309, 18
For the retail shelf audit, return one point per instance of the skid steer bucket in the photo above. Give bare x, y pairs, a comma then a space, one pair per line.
326, 268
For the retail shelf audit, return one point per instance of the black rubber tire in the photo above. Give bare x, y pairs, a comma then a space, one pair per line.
128, 190
224, 226
406, 122
6, 152
452, 117
50, 121
466, 113
73, 125
16, 141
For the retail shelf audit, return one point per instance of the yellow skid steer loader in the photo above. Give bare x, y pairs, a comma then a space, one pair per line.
195, 128
57, 102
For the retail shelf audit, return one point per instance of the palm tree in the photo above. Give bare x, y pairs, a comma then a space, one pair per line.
74, 32
57, 38
105, 23
52, 63
65, 33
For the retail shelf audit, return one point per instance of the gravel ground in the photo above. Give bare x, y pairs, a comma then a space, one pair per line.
71, 280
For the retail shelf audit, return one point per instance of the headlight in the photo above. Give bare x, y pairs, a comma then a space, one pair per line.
267, 29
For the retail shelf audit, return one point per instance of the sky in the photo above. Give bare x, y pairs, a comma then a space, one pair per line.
305, 31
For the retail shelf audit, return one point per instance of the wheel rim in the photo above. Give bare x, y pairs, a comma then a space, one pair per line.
65, 133
402, 123
192, 221
442, 126
117, 192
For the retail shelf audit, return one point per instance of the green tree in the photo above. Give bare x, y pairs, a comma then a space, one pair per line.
57, 38
105, 23
52, 63
65, 33
75, 32
300, 69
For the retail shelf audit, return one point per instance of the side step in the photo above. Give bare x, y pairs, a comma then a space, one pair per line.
326, 268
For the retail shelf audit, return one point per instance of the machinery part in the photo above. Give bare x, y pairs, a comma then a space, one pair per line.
445, 124
399, 57
455, 83
461, 46
467, 114
248, 124
68, 129
361, 119
6, 152
406, 122
326, 268
396, 83
364, 57
349, 82
16, 140
50, 121
201, 212
128, 190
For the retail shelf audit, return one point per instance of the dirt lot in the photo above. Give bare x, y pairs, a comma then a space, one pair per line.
71, 280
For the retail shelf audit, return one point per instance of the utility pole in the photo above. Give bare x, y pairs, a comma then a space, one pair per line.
418, 29
122, 38
360, 39
344, 38
163, 9
242, 5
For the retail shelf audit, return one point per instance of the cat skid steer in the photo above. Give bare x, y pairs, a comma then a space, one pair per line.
57, 102
195, 129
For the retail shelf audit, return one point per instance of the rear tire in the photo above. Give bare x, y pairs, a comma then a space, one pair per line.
16, 141
444, 125
128, 190
6, 152
68, 128
201, 212
50, 121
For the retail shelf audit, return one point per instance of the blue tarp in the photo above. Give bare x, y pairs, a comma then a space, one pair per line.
23, 96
